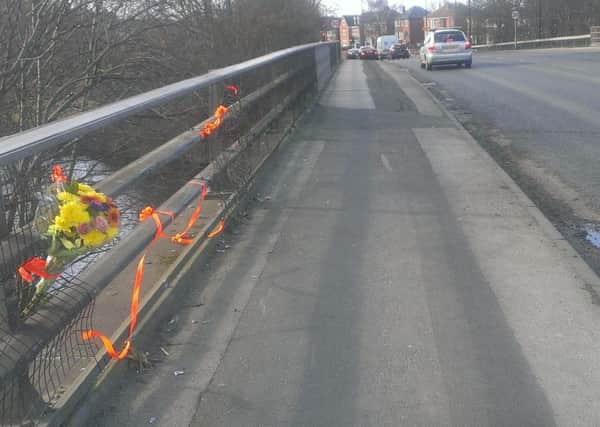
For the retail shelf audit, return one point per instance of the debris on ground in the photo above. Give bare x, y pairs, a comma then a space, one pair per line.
139, 361
171, 324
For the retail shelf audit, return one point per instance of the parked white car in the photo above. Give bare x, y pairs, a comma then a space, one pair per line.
446, 47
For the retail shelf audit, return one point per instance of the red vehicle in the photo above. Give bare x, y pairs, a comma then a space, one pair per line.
367, 52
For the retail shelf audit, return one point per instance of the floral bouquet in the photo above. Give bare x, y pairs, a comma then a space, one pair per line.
76, 219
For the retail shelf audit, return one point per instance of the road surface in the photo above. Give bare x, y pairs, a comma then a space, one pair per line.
388, 274
538, 111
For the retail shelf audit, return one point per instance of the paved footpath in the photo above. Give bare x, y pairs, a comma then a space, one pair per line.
391, 275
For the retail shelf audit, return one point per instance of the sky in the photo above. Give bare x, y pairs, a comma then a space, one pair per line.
352, 7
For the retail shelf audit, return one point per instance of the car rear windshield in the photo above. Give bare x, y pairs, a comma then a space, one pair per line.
449, 37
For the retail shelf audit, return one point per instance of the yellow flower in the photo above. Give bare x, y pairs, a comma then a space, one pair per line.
71, 214
89, 192
60, 225
85, 188
65, 196
112, 232
94, 238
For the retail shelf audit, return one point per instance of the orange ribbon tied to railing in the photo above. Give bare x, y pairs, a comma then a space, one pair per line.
150, 212
214, 124
35, 267
147, 212
182, 237
217, 230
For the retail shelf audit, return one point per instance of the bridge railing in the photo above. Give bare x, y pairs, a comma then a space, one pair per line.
40, 351
595, 35
571, 41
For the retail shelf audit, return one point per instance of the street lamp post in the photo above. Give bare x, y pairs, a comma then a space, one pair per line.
515, 17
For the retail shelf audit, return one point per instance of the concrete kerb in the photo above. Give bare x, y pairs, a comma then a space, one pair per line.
580, 268
94, 385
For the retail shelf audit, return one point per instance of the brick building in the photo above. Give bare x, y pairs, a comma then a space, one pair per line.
451, 15
350, 31
409, 26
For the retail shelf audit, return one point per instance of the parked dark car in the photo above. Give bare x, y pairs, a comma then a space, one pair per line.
352, 53
399, 51
367, 52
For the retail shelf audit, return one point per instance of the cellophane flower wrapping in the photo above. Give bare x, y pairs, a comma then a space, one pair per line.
75, 218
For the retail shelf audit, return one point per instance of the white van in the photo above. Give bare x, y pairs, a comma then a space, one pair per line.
383, 45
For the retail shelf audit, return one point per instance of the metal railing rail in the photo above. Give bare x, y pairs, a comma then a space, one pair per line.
536, 41
22, 346
100, 274
29, 142
117, 182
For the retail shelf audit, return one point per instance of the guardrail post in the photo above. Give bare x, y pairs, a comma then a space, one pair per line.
595, 35
215, 98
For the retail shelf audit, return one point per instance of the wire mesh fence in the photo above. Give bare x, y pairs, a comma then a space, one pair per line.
41, 345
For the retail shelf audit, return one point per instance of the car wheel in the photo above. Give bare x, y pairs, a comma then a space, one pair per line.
468, 64
429, 67
422, 65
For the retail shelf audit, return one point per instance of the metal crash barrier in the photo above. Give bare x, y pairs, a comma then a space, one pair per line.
41, 352
554, 42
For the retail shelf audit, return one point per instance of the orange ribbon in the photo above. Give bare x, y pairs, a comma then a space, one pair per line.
214, 124
150, 212
181, 237
58, 175
35, 267
147, 212
217, 230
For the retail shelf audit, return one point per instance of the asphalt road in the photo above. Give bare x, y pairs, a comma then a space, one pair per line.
538, 112
388, 274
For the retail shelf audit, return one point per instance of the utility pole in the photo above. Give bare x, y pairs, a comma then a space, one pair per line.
540, 30
470, 19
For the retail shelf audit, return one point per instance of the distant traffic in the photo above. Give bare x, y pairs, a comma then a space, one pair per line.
388, 47
447, 46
